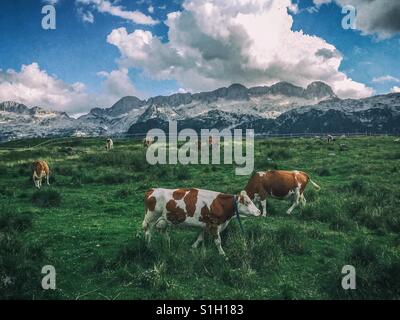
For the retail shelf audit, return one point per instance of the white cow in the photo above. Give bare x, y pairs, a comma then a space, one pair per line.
109, 144
211, 211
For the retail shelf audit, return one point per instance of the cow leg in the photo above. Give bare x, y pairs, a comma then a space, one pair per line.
200, 239
218, 243
264, 207
303, 200
162, 226
296, 201
166, 236
262, 196
147, 226
34, 181
47, 179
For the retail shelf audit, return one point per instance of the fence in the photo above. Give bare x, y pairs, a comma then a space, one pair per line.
140, 136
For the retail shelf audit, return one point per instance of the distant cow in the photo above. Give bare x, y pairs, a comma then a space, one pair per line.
40, 170
211, 211
109, 144
278, 184
212, 141
329, 138
343, 147
148, 141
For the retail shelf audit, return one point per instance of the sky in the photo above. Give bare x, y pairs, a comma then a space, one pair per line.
102, 50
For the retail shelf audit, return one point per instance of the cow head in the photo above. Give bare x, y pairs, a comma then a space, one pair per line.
245, 206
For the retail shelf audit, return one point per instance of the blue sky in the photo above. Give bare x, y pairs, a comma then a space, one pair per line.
77, 51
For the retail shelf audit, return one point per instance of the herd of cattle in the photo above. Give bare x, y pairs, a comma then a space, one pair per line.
208, 210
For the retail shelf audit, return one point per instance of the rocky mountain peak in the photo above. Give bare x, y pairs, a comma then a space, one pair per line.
125, 105
12, 106
319, 90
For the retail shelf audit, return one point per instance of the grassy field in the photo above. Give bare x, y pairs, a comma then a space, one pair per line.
88, 225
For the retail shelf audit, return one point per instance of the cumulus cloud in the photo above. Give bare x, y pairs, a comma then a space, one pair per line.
248, 41
104, 6
395, 89
33, 86
374, 17
117, 84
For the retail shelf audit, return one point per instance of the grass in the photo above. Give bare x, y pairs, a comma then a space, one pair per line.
87, 224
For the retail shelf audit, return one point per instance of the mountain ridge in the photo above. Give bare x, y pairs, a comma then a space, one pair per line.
280, 108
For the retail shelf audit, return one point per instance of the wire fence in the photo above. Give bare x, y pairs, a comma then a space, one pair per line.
273, 135
141, 136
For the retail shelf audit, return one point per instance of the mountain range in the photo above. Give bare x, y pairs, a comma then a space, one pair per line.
280, 108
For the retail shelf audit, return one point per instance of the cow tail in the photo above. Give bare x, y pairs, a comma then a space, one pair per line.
317, 187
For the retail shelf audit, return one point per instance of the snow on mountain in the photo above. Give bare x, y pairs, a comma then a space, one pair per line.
278, 108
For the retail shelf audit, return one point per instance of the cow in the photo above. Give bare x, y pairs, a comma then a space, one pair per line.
211, 211
40, 170
109, 144
278, 184
329, 138
148, 141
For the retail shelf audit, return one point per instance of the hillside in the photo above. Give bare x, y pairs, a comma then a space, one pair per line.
88, 225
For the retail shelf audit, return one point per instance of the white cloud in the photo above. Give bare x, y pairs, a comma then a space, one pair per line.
104, 6
86, 16
319, 3
248, 41
395, 89
150, 9
294, 8
33, 86
117, 84
52, 2
386, 78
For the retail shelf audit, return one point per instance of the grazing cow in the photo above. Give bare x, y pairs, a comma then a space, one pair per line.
211, 211
278, 184
40, 171
329, 138
343, 147
212, 141
148, 141
109, 144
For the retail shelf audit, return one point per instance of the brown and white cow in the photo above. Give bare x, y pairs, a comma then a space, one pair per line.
109, 144
211, 211
40, 170
148, 141
278, 184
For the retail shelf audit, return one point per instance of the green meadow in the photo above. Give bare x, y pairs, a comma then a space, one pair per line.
87, 224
